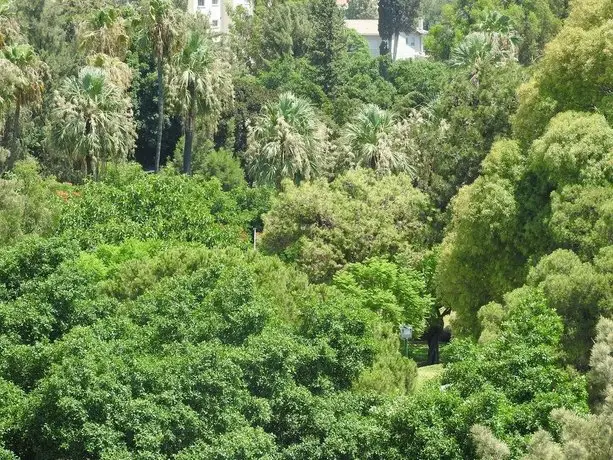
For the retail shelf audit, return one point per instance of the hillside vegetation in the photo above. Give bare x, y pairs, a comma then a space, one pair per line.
209, 242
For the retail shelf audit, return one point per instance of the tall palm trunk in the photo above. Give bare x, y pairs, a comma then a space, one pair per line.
158, 145
89, 166
189, 133
14, 136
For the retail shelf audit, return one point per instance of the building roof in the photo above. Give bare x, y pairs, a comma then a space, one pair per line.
370, 27
364, 26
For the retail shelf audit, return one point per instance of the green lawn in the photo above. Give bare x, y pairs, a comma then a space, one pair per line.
426, 374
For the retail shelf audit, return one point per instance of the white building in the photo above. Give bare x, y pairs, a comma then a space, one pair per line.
217, 11
410, 45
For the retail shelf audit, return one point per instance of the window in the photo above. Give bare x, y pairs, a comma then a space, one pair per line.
215, 23
215, 3
200, 3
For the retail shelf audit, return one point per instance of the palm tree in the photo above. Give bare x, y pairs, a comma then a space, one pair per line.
161, 27
369, 136
286, 141
501, 34
202, 84
9, 79
29, 72
91, 120
9, 28
494, 42
117, 71
474, 52
104, 32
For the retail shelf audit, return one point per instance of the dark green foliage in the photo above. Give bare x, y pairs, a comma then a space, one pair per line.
396, 16
224, 166
210, 163
475, 115
536, 22
418, 82
328, 45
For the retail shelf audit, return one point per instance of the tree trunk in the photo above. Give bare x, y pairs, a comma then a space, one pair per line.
89, 165
158, 145
14, 137
189, 135
433, 348
396, 38
433, 336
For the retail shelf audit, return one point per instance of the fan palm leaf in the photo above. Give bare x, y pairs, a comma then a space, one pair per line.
286, 141
369, 138
91, 120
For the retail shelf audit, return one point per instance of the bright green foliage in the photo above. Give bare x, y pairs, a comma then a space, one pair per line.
28, 203
286, 142
519, 371
580, 293
131, 204
29, 260
322, 226
398, 295
150, 350
574, 71
582, 218
507, 385
579, 435
483, 224
523, 207
391, 373
576, 148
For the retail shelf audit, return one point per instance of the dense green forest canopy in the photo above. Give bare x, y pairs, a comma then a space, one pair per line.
210, 240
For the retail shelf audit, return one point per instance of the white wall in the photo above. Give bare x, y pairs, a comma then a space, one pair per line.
374, 43
216, 10
410, 46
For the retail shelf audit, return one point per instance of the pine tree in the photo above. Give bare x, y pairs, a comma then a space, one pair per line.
395, 16
329, 43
